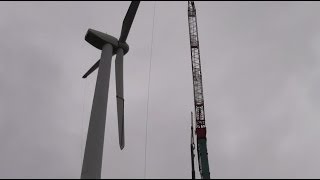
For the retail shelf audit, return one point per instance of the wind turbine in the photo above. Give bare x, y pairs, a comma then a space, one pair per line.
92, 160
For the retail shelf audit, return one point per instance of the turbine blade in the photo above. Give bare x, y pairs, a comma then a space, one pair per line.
94, 67
127, 22
120, 100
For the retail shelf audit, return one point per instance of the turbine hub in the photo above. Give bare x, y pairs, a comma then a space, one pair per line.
123, 46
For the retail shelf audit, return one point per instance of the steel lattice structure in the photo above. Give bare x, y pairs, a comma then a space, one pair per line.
198, 93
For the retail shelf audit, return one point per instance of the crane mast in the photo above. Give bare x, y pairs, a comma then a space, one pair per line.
198, 94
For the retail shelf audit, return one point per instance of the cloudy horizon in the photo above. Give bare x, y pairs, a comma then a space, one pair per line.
260, 66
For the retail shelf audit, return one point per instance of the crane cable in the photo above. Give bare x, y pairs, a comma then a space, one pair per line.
146, 136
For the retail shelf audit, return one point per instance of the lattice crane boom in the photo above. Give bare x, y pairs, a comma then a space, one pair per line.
198, 93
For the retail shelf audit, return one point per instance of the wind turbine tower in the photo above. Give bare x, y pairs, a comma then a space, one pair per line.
92, 160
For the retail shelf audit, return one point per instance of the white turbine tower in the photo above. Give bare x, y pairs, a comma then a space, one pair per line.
92, 160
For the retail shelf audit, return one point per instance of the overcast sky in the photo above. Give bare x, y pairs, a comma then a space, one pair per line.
260, 66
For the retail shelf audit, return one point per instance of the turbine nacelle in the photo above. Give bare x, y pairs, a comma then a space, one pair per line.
99, 39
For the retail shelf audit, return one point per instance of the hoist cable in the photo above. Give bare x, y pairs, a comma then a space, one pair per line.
146, 136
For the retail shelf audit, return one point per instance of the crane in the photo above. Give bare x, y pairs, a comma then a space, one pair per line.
201, 130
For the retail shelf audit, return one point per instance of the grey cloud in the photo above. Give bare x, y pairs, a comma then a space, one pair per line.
260, 63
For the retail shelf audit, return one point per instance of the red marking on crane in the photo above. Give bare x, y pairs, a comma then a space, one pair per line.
201, 133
